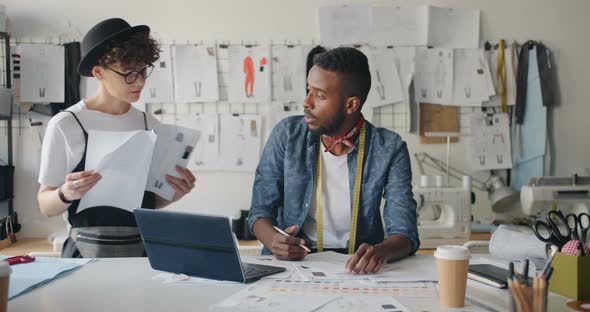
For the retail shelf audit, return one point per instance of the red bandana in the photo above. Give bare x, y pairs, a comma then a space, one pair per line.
345, 139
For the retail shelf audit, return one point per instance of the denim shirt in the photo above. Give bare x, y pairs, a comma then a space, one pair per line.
284, 184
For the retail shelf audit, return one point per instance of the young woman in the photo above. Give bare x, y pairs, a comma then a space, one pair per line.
121, 58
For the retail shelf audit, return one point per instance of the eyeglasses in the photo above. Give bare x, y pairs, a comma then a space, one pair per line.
132, 76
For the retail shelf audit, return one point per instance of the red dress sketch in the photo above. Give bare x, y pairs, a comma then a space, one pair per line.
249, 71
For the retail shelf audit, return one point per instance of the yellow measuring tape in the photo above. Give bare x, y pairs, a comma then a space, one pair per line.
501, 75
355, 201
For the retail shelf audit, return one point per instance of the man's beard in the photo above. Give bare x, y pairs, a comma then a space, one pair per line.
333, 124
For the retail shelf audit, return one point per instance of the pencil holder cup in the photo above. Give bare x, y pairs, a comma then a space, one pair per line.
528, 299
571, 276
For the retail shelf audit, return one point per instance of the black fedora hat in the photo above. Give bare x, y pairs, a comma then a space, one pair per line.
94, 42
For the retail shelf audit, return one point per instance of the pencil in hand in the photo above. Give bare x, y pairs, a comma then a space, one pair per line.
285, 234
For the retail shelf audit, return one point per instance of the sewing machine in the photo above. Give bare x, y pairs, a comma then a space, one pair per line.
444, 212
569, 194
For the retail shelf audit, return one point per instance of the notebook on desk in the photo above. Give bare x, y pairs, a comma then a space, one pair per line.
195, 245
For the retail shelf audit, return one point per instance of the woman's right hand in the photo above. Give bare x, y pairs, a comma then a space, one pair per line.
79, 183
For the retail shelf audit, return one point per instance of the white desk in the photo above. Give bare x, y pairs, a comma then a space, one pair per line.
126, 284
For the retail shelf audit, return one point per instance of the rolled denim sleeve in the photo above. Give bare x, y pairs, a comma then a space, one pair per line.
267, 193
399, 213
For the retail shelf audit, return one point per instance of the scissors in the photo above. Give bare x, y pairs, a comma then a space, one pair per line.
578, 222
555, 237
19, 259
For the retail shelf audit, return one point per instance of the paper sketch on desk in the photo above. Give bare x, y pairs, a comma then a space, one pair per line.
250, 70
472, 78
42, 75
122, 159
492, 57
386, 86
195, 74
453, 27
265, 296
330, 266
397, 26
433, 79
364, 303
206, 153
158, 86
490, 142
289, 72
345, 24
240, 141
174, 146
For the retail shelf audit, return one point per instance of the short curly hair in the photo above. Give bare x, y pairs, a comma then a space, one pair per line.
136, 50
353, 67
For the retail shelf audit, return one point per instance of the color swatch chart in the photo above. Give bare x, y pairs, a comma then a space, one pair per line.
286, 286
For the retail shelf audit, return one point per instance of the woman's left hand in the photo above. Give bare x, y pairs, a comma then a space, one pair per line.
182, 185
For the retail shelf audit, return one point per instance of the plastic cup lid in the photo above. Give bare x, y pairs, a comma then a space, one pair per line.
452, 252
5, 269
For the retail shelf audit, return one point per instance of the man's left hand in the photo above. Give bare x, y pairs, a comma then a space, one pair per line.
367, 259
182, 185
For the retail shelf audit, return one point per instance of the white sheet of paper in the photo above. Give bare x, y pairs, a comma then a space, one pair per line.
206, 153
345, 24
453, 27
240, 141
277, 112
261, 296
392, 25
158, 86
250, 69
123, 160
492, 57
386, 86
195, 73
489, 146
174, 145
289, 65
473, 80
433, 79
405, 59
42, 77
330, 266
365, 302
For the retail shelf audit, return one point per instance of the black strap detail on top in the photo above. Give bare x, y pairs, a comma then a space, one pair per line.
78, 120
145, 121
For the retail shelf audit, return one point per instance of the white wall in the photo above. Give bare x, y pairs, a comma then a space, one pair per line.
559, 24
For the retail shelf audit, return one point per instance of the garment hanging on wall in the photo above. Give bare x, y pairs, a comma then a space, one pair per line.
530, 136
546, 72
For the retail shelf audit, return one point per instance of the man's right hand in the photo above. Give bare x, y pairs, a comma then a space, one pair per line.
287, 247
79, 183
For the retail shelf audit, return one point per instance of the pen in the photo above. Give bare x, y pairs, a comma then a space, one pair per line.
285, 234
525, 272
